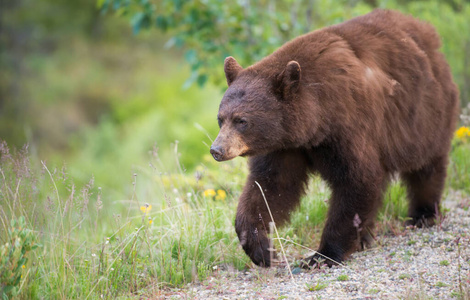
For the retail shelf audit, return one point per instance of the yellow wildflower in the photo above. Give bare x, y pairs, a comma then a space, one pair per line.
23, 266
462, 132
209, 193
221, 195
150, 221
146, 208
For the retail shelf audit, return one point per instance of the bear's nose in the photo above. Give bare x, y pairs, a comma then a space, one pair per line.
217, 152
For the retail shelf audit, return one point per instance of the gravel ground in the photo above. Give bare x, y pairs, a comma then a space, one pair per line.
431, 263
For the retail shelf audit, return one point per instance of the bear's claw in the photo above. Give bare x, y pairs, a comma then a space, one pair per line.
317, 260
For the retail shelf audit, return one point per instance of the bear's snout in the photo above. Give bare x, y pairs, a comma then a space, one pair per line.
217, 152
228, 145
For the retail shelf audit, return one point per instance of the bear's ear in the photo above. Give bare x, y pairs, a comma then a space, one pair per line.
289, 79
231, 68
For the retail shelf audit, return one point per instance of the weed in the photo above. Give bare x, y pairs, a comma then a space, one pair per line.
316, 287
14, 255
342, 277
404, 276
444, 263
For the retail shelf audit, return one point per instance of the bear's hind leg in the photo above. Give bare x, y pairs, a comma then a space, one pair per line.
424, 187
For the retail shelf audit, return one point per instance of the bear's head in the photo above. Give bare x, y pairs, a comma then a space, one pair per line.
252, 111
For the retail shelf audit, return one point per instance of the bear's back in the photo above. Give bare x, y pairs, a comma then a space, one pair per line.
378, 77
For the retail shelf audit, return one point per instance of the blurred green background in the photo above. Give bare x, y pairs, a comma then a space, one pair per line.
99, 84
117, 100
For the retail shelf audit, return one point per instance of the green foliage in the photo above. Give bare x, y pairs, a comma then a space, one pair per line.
342, 277
459, 167
211, 30
316, 286
28, 36
444, 263
395, 204
309, 217
14, 254
404, 276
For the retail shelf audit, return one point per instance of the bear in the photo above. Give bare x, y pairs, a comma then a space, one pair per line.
357, 103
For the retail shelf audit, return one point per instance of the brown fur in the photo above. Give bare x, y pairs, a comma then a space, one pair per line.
355, 103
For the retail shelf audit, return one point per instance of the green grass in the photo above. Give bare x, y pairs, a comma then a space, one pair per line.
94, 246
316, 286
404, 276
95, 242
459, 166
441, 284
444, 263
342, 277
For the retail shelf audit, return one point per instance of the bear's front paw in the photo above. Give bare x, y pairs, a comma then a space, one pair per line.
318, 259
421, 221
257, 245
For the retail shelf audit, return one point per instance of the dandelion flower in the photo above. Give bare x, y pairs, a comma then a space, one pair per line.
150, 221
146, 208
23, 266
221, 195
462, 132
209, 193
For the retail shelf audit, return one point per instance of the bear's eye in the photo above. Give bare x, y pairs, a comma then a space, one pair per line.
240, 121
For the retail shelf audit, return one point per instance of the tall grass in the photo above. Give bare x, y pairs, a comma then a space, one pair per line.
166, 232
173, 227
459, 166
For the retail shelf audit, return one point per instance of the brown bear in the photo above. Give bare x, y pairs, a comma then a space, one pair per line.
355, 103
